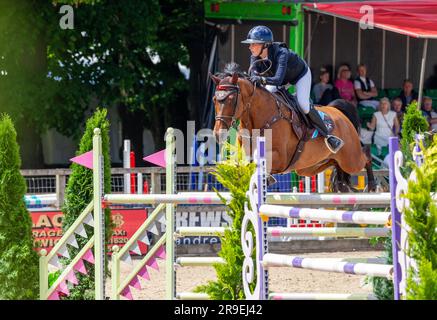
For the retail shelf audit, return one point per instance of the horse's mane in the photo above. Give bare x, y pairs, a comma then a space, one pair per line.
231, 68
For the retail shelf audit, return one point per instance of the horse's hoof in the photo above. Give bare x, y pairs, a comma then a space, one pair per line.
371, 187
271, 180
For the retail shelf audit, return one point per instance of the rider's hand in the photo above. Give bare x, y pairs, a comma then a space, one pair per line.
258, 79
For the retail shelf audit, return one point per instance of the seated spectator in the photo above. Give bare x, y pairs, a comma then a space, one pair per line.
344, 84
365, 89
407, 94
396, 106
320, 87
429, 114
385, 123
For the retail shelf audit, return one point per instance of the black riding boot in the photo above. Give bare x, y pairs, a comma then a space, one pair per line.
332, 142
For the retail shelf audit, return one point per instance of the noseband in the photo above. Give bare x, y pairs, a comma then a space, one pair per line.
222, 93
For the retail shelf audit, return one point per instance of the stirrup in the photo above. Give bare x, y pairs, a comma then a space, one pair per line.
329, 146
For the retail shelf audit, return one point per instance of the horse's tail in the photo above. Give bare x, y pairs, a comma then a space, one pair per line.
349, 110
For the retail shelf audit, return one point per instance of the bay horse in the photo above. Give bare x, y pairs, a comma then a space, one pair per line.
237, 98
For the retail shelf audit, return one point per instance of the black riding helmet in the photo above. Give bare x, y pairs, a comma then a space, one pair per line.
259, 34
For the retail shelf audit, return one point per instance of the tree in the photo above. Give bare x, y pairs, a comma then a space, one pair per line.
79, 193
108, 57
18, 261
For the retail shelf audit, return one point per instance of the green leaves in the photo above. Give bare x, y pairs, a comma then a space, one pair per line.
235, 175
414, 122
421, 217
79, 193
18, 261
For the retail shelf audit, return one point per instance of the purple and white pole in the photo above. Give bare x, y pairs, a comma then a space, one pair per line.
263, 248
395, 217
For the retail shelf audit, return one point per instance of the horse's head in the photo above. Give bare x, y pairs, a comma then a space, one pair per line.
227, 102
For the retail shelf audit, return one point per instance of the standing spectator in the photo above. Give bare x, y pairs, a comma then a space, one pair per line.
407, 94
344, 84
396, 106
365, 89
385, 123
429, 114
320, 87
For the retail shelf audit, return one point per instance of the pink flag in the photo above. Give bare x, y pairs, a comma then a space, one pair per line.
160, 253
85, 159
88, 256
54, 296
157, 158
152, 263
71, 277
135, 283
80, 267
126, 293
63, 288
143, 273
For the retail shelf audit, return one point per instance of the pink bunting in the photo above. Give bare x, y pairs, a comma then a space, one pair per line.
71, 277
135, 283
157, 158
126, 293
143, 273
152, 263
85, 159
160, 253
54, 296
88, 256
80, 267
63, 288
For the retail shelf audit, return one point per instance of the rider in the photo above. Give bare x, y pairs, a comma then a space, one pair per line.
287, 69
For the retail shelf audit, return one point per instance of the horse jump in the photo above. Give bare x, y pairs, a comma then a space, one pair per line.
261, 211
163, 248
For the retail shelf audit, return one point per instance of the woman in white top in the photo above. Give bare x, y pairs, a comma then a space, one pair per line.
385, 123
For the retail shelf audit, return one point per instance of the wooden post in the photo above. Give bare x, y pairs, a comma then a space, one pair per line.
99, 220
43, 275
115, 273
60, 190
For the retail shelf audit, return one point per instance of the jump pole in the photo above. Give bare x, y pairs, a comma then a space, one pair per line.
396, 218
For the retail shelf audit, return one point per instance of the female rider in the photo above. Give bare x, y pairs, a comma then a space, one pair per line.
287, 69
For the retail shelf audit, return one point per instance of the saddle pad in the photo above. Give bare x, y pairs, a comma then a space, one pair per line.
328, 122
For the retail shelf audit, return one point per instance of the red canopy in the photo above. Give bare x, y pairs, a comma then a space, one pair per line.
414, 18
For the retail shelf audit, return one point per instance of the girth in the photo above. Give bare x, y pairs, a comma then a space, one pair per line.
299, 128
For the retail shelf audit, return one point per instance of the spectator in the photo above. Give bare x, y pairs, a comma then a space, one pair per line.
385, 123
365, 89
396, 106
320, 87
429, 114
344, 84
407, 94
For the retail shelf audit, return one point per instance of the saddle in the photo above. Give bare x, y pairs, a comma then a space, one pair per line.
303, 129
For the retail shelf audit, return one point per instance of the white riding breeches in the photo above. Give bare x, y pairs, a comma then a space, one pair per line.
303, 91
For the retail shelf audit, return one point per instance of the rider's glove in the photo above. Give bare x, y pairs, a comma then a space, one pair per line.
258, 80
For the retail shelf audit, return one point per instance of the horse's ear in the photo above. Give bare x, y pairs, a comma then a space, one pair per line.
214, 78
234, 78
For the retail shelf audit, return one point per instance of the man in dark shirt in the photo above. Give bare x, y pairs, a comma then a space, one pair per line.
407, 94
287, 69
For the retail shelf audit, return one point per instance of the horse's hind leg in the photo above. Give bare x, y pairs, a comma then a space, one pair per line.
341, 181
371, 184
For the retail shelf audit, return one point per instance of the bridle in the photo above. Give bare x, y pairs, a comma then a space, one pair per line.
222, 93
